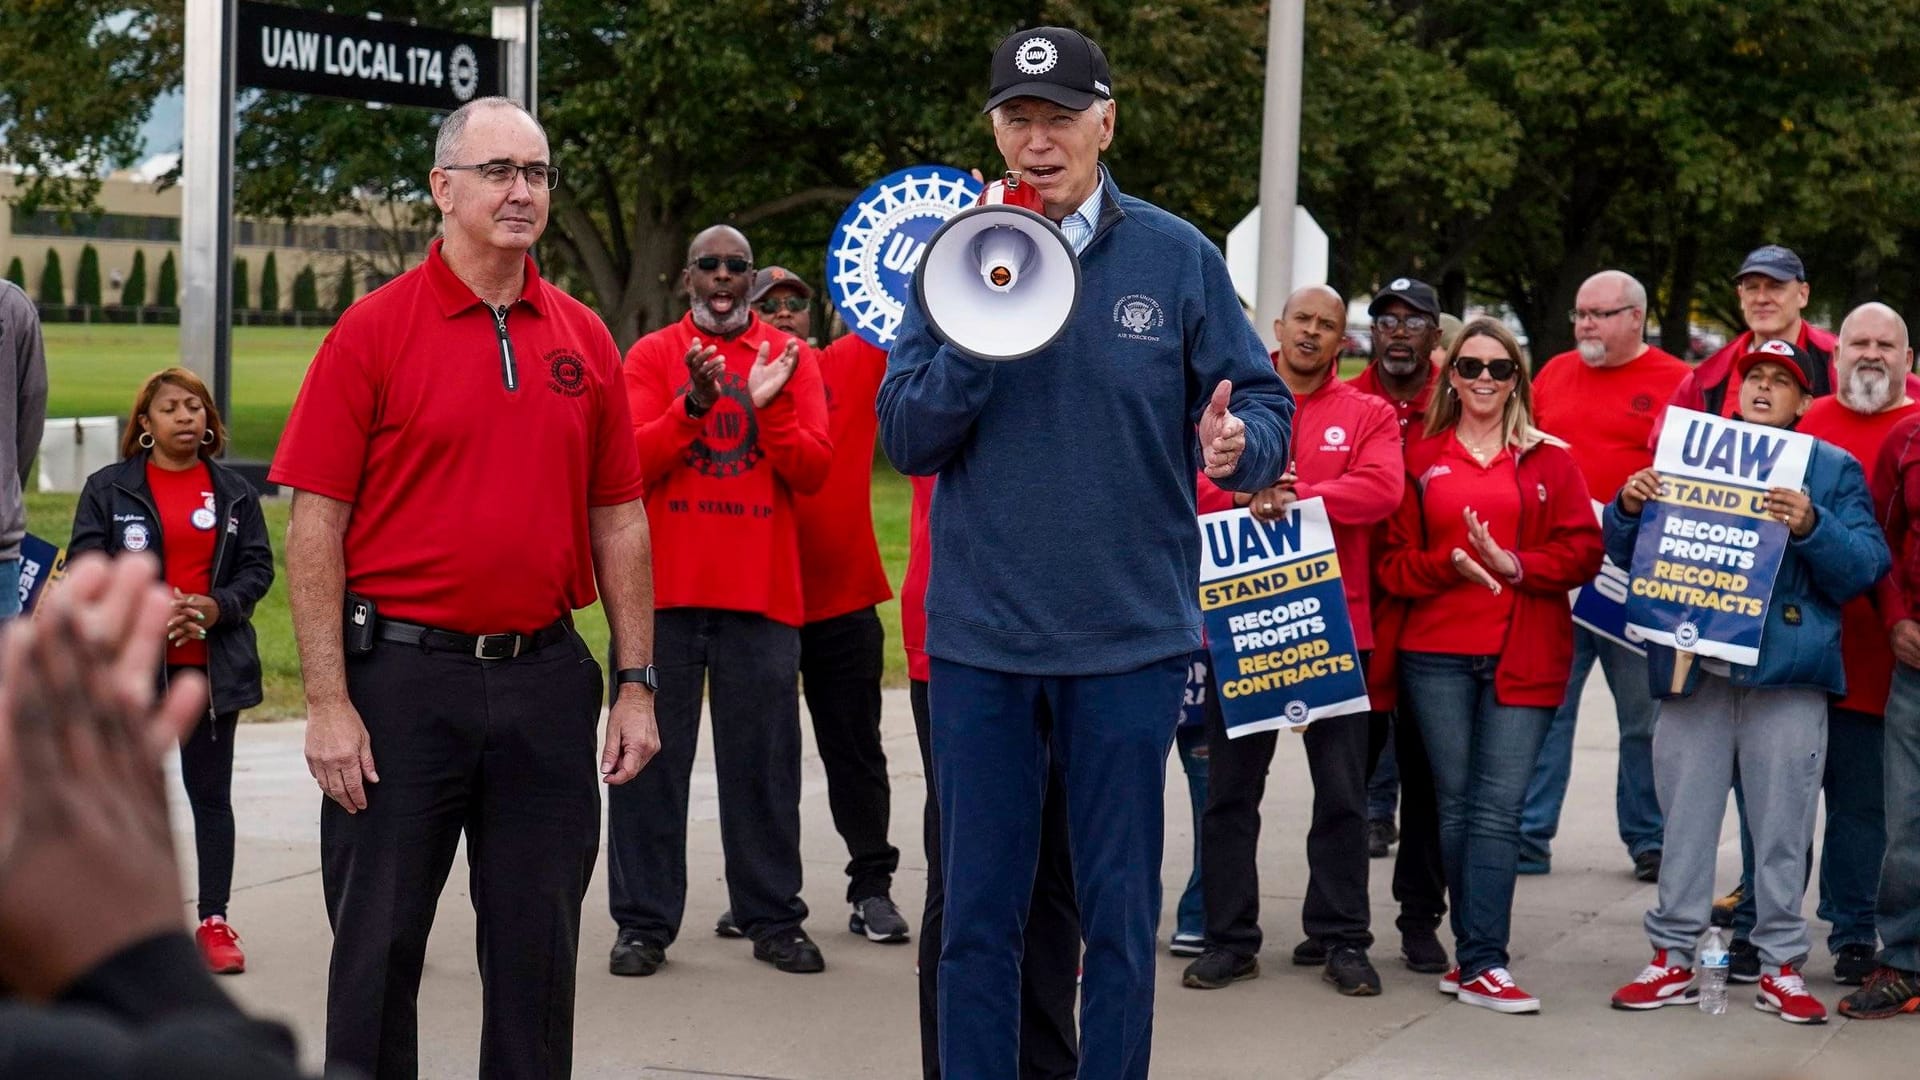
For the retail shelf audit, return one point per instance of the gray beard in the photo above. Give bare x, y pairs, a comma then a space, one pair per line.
1867, 390
734, 322
1592, 353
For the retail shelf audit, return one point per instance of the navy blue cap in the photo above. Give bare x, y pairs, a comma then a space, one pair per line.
1776, 262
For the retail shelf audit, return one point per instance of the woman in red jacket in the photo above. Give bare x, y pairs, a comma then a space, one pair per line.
1494, 529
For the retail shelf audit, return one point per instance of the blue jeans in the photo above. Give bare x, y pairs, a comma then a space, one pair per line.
1898, 908
1482, 754
1191, 741
1383, 787
1636, 805
9, 588
995, 738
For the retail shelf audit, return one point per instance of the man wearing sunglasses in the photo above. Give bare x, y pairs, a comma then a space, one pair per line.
731, 424
1603, 397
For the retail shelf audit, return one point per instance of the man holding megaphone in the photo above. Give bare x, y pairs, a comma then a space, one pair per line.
1061, 601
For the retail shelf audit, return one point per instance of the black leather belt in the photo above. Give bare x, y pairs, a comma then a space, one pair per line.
481, 646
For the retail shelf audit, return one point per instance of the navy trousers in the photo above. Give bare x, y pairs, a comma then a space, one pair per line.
996, 736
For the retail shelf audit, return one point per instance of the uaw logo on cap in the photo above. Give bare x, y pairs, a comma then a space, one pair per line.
878, 243
1400, 283
1036, 56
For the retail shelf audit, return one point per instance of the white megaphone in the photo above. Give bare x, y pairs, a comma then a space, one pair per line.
998, 280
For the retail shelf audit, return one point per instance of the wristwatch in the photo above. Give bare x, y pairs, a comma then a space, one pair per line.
645, 676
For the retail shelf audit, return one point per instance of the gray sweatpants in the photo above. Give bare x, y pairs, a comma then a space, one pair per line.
1779, 738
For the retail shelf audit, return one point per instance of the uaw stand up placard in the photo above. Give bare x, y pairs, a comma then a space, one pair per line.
1707, 554
1276, 618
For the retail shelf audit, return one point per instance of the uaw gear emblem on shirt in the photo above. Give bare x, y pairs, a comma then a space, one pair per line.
729, 442
1335, 437
567, 373
205, 518
135, 538
1136, 315
880, 239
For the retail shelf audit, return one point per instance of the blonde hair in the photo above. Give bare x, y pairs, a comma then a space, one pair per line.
1516, 423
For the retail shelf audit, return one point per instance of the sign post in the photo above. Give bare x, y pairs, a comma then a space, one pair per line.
206, 198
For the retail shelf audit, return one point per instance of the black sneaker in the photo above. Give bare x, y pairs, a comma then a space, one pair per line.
1217, 968
635, 955
1350, 972
1743, 962
1646, 865
1380, 837
1852, 964
1310, 953
879, 920
1421, 951
725, 926
791, 951
1889, 992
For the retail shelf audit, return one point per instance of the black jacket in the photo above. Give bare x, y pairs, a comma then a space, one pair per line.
117, 499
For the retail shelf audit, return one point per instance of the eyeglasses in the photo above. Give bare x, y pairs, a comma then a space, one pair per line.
1500, 370
1414, 324
1596, 315
774, 305
500, 173
707, 264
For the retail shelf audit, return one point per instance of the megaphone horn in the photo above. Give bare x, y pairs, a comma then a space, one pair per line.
998, 281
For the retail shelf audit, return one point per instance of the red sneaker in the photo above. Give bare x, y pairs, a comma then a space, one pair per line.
1450, 982
1495, 989
1659, 983
1786, 994
220, 945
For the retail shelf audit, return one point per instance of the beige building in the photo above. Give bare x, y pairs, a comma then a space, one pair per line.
136, 215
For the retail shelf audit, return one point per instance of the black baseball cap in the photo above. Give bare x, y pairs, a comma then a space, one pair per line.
1776, 262
1416, 293
767, 277
1052, 62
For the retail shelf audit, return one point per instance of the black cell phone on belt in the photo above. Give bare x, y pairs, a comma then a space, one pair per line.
357, 625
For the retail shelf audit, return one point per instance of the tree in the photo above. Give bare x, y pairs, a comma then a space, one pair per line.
270, 284
306, 290
134, 293
241, 301
166, 288
53, 286
343, 287
17, 272
86, 280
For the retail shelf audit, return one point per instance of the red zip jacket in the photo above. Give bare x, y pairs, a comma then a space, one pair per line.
1896, 499
1559, 549
840, 568
1708, 389
720, 488
913, 589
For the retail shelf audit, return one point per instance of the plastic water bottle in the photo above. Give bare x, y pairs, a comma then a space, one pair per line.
1713, 974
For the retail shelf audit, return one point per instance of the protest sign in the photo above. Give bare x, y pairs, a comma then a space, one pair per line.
1601, 604
1276, 619
1707, 552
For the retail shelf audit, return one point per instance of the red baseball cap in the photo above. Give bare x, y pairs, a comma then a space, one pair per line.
1784, 353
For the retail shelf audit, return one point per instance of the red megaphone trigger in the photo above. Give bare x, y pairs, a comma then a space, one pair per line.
1011, 192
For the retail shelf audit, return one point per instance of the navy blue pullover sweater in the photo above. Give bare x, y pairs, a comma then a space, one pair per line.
1063, 521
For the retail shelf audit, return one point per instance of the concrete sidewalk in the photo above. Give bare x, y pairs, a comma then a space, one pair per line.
714, 1011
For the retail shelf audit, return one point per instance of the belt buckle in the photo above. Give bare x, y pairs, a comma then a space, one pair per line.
481, 643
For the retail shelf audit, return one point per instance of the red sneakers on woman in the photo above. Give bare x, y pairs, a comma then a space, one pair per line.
220, 946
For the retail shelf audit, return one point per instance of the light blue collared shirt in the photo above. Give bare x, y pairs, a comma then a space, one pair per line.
1078, 226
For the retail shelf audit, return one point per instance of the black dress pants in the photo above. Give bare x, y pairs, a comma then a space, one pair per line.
1050, 968
508, 753
841, 661
206, 771
1336, 907
1419, 877
749, 666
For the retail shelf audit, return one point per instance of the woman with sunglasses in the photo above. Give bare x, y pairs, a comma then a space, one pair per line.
1494, 529
168, 496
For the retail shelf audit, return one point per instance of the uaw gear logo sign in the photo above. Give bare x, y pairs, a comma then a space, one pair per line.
1036, 56
729, 441
880, 239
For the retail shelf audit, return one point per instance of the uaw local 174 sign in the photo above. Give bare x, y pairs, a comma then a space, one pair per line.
1276, 618
878, 243
1706, 556
345, 56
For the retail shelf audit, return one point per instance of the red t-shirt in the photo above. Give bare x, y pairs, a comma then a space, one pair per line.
1606, 414
720, 488
1466, 619
188, 532
469, 497
913, 588
1412, 414
840, 569
1863, 635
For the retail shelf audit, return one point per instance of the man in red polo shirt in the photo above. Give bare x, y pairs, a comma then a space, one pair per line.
1869, 400
1602, 397
842, 647
731, 423
1406, 329
463, 467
